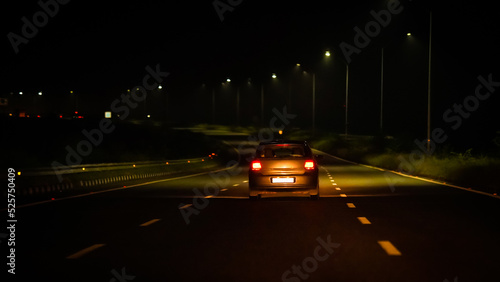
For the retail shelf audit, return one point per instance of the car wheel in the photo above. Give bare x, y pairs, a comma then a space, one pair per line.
315, 196
253, 195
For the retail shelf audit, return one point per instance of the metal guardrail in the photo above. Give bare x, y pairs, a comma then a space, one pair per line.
108, 166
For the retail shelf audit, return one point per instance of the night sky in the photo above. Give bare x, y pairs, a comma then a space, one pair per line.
99, 50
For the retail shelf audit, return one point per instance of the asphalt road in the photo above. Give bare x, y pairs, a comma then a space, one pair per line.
361, 229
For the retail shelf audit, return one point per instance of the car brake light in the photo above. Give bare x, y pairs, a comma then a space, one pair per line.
309, 165
256, 165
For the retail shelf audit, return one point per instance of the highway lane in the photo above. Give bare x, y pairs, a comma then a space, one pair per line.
359, 230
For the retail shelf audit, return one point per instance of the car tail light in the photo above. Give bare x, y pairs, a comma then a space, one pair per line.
309, 165
256, 165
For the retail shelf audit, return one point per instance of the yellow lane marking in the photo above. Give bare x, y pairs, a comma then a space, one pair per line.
337, 188
364, 220
343, 195
209, 196
351, 205
185, 206
389, 248
85, 251
150, 222
222, 190
236, 184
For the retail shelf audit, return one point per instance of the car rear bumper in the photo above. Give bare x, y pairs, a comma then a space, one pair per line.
259, 184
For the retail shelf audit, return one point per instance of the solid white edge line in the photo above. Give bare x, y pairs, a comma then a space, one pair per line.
414, 177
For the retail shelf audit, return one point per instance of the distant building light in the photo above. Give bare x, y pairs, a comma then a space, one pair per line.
107, 114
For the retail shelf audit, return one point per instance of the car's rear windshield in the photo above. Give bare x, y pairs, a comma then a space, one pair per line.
281, 151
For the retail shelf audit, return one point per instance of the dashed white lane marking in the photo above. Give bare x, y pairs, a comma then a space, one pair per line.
85, 251
351, 205
389, 248
150, 222
343, 195
185, 206
364, 220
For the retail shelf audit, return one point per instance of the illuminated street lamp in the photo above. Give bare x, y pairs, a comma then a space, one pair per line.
274, 75
40, 93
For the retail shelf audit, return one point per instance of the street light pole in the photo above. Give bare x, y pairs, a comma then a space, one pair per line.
429, 87
213, 105
346, 97
238, 106
382, 92
262, 104
313, 103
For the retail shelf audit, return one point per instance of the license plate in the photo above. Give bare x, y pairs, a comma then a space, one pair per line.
283, 180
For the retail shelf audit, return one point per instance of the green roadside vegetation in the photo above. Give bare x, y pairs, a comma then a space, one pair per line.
471, 168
